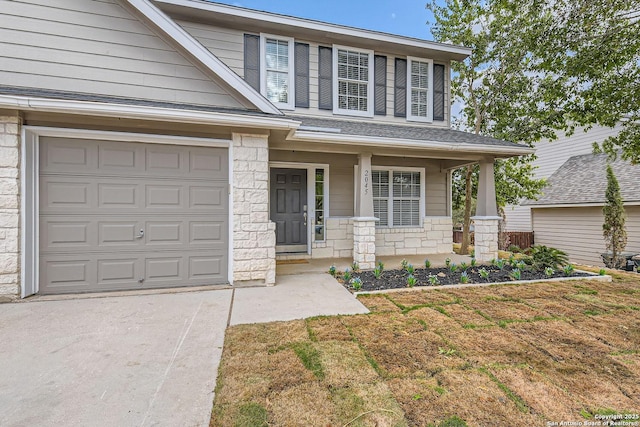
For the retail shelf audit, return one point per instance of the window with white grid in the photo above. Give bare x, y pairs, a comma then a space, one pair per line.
353, 71
420, 81
397, 197
277, 70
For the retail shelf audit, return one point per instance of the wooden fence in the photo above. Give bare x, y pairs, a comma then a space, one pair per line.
522, 239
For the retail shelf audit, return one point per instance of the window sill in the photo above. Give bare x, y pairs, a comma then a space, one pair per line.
353, 113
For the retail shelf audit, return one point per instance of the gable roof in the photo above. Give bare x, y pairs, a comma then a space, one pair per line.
210, 11
337, 130
170, 29
583, 180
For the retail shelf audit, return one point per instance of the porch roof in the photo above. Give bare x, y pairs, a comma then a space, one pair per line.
430, 137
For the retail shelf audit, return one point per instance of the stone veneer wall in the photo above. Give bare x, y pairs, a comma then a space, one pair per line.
339, 239
486, 238
435, 237
364, 246
9, 205
254, 237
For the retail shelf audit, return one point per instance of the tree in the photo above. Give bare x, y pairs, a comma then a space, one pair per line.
495, 87
613, 229
541, 67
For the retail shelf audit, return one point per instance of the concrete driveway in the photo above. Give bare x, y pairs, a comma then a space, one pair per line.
116, 361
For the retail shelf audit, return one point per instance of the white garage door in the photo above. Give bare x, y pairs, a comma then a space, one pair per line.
119, 215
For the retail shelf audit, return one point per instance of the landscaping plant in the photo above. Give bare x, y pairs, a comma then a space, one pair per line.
602, 272
515, 274
332, 270
356, 283
568, 269
404, 263
410, 269
484, 274
355, 267
433, 280
543, 256
347, 275
427, 263
381, 266
613, 229
548, 271
447, 262
464, 277
463, 266
473, 262
377, 272
411, 281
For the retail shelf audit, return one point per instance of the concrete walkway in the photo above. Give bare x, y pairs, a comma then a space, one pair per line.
132, 359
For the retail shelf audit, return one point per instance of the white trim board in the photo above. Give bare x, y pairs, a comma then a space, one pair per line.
29, 194
201, 54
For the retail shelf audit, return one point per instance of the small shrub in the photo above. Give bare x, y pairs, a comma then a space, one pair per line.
463, 266
433, 280
410, 269
332, 270
452, 267
346, 276
427, 263
521, 265
411, 281
499, 263
512, 261
381, 266
464, 277
568, 269
602, 272
484, 274
515, 249
377, 272
548, 271
447, 262
544, 256
355, 267
356, 283
515, 274
404, 263
473, 262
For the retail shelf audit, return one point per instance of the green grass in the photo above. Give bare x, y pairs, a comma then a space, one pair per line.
251, 415
310, 358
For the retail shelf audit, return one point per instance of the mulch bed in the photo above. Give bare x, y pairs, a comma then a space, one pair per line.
397, 279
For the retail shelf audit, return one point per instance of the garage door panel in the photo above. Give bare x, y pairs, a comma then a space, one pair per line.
59, 155
131, 216
64, 235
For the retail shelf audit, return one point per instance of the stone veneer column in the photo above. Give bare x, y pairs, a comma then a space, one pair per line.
10, 123
486, 237
364, 242
254, 237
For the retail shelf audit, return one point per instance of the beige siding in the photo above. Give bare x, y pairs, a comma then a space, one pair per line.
550, 156
578, 231
518, 218
228, 45
96, 47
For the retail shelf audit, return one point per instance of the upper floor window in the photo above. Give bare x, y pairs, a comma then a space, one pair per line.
353, 81
420, 90
276, 71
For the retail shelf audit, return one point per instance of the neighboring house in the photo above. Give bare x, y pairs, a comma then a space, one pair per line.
569, 215
149, 144
550, 155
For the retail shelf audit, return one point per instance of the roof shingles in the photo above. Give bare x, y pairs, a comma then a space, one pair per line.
583, 179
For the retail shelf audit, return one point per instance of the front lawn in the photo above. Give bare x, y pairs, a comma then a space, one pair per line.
500, 355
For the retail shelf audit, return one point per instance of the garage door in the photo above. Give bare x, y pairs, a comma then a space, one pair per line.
119, 215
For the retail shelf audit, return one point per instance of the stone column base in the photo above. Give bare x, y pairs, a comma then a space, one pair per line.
486, 237
364, 242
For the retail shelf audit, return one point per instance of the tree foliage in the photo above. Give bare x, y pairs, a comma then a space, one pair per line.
613, 229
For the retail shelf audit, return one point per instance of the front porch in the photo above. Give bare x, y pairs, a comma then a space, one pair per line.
287, 266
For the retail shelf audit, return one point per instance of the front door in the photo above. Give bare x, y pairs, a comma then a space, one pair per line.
289, 208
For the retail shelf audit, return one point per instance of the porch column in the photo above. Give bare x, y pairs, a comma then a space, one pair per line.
254, 237
486, 219
364, 223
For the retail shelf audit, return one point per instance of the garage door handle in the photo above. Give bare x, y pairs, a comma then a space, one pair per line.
141, 235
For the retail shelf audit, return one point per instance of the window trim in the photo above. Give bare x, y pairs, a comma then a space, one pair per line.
370, 83
290, 105
390, 170
411, 117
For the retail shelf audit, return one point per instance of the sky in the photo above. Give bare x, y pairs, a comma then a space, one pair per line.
402, 17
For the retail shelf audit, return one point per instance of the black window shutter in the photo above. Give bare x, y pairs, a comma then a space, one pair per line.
252, 60
438, 92
400, 95
380, 79
325, 78
302, 74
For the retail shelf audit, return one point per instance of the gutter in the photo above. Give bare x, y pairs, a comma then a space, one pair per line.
145, 113
306, 136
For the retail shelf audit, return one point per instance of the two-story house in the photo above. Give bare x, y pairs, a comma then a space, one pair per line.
157, 143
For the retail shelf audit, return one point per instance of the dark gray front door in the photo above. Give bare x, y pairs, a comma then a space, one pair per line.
289, 208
